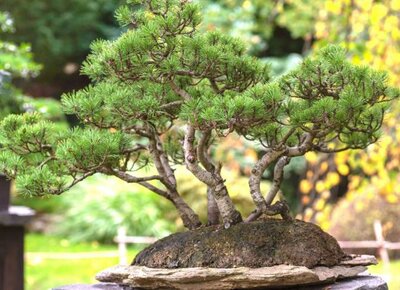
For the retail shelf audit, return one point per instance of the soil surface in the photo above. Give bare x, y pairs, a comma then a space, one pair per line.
257, 244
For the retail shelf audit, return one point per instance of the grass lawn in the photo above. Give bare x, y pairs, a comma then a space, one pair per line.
390, 274
42, 273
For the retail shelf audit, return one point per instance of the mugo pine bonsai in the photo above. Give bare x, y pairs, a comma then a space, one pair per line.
164, 92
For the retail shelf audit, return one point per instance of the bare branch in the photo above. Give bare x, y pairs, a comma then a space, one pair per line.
191, 159
185, 95
300, 150
47, 160
76, 181
137, 148
155, 189
332, 150
128, 177
171, 105
202, 149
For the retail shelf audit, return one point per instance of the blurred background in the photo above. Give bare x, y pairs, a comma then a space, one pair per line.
42, 44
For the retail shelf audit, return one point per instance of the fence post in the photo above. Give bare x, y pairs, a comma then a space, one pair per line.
383, 253
12, 221
122, 249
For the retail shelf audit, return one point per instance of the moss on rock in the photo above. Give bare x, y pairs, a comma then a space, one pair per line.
258, 244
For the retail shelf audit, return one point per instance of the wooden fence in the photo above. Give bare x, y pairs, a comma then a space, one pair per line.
379, 243
122, 240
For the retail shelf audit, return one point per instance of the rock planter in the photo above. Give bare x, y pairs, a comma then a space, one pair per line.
282, 276
268, 253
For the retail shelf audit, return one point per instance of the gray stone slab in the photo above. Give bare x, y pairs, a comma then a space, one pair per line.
99, 286
16, 216
362, 282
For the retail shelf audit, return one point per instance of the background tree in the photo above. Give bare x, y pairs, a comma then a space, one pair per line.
370, 32
15, 60
163, 82
60, 33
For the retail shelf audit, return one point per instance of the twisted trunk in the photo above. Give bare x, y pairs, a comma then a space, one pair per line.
189, 218
213, 180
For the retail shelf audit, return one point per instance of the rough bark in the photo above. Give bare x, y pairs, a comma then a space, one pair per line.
189, 218
282, 156
256, 175
213, 214
229, 214
212, 209
278, 176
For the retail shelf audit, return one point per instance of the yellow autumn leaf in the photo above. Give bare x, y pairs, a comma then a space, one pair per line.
305, 186
378, 12
311, 157
323, 167
320, 186
343, 169
333, 6
365, 5
319, 205
395, 5
392, 198
333, 178
368, 56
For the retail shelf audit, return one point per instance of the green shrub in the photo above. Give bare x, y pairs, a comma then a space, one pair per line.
96, 208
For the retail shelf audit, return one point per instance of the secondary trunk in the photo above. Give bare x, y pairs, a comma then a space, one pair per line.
189, 218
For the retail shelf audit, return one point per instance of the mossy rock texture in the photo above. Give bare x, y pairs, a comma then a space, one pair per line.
257, 244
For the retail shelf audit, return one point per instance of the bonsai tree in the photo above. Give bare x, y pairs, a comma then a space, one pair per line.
164, 93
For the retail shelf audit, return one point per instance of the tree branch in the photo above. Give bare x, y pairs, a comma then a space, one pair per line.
191, 158
300, 150
127, 177
256, 175
180, 92
278, 176
202, 149
76, 181
213, 213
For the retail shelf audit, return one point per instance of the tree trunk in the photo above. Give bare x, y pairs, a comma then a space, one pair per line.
212, 209
189, 218
229, 214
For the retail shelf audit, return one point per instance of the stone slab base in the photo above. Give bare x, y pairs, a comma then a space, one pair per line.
202, 278
362, 282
